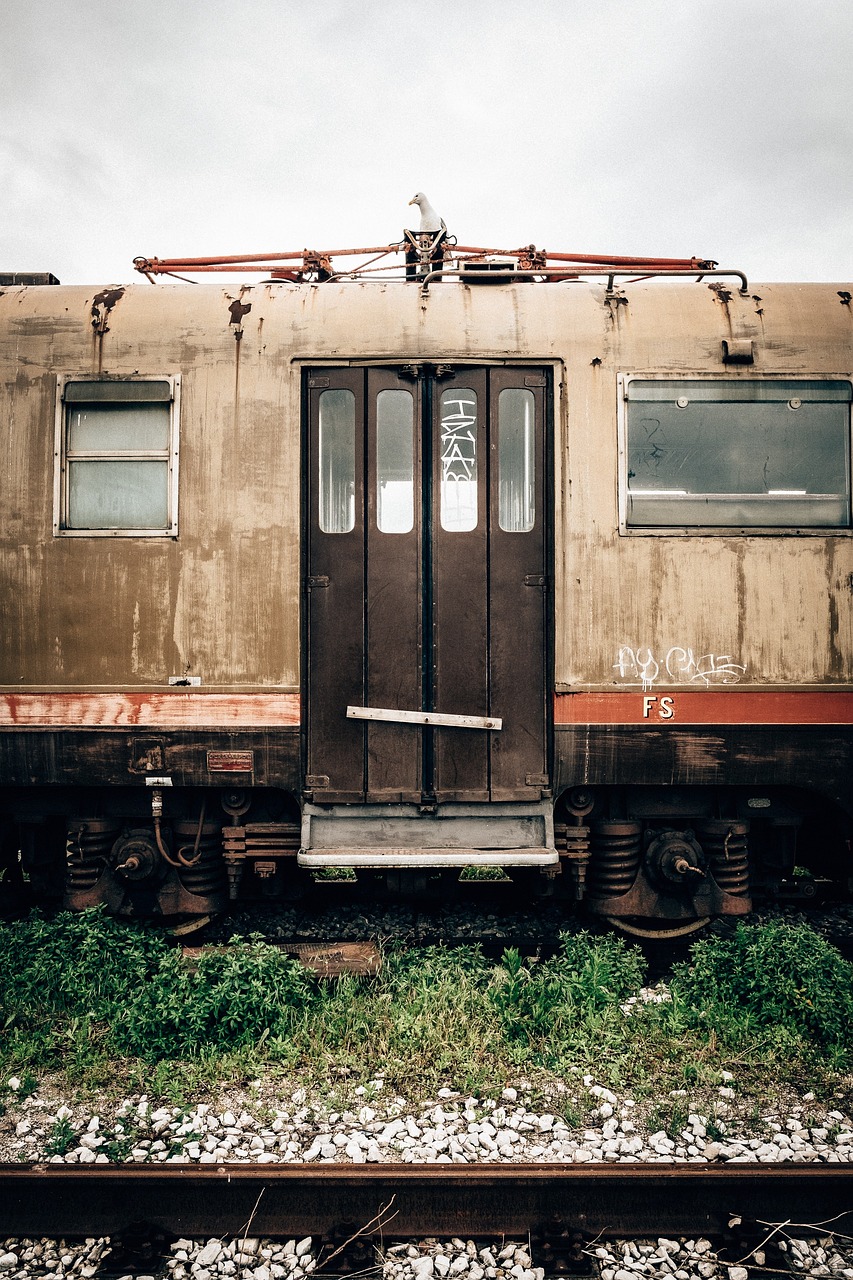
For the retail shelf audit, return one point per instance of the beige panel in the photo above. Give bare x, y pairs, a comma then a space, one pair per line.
223, 599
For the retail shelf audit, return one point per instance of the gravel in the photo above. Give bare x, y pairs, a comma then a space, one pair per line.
250, 1258
376, 1126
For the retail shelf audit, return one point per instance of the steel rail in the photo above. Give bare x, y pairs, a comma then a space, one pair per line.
416, 1200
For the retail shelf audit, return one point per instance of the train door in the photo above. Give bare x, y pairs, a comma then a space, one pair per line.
426, 585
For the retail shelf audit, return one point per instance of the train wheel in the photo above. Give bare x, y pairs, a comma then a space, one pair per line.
656, 931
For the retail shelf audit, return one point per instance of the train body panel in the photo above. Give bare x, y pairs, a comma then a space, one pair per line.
692, 659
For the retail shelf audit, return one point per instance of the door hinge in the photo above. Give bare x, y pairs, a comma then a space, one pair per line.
318, 382
316, 780
534, 380
535, 580
314, 584
536, 780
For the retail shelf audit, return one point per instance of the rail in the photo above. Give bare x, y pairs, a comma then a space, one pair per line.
416, 1200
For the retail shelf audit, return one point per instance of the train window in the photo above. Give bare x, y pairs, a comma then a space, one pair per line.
117, 457
716, 453
516, 479
337, 461
395, 462
458, 442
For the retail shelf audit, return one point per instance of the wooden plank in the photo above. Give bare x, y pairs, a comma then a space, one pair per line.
425, 717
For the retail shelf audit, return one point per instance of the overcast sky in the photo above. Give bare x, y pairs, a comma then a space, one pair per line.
715, 128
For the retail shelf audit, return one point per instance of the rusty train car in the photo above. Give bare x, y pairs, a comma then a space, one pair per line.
543, 574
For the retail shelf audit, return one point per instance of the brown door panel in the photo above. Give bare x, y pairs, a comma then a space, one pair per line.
452, 618
335, 607
393, 586
518, 590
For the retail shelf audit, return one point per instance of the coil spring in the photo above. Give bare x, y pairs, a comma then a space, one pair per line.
615, 858
207, 874
725, 843
87, 849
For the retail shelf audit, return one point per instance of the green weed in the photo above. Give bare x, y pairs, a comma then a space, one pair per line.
775, 982
103, 1001
61, 1139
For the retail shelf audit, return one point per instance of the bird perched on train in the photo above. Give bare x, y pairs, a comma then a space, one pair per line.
430, 220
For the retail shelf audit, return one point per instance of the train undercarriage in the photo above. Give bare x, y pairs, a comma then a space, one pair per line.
650, 861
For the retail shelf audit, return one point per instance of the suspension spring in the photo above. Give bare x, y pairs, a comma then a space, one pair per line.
87, 849
725, 843
615, 858
206, 873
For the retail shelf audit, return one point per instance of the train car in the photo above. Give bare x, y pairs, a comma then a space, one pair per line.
482, 566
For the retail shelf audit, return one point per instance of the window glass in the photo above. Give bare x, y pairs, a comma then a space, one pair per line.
714, 453
458, 444
395, 463
118, 495
516, 478
337, 461
105, 427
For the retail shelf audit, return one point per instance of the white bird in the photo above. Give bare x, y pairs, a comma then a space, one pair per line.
430, 220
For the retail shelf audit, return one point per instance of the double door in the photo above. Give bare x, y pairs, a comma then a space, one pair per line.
426, 584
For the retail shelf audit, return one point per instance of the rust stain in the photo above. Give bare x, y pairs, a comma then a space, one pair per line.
106, 299
238, 309
102, 305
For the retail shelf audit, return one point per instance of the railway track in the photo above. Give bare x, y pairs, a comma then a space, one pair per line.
545, 1202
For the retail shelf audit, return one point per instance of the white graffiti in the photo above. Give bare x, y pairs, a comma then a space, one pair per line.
458, 441
679, 666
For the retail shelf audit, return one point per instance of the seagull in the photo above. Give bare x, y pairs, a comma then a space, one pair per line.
430, 220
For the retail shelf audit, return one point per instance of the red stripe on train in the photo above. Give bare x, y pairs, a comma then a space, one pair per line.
178, 709
672, 707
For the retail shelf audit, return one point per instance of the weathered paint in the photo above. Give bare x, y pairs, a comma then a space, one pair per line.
166, 710
222, 600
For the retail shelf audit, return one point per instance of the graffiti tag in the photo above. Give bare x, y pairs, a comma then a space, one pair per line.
679, 665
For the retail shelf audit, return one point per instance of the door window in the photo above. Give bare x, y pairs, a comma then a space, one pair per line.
336, 456
516, 460
395, 462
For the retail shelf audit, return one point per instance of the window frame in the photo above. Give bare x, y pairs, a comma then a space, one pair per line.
63, 456
719, 531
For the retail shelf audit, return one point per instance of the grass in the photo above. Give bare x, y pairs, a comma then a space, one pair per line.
100, 1001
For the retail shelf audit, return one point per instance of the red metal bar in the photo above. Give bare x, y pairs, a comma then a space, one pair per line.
663, 264
265, 261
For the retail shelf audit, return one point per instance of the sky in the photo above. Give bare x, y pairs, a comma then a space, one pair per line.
711, 128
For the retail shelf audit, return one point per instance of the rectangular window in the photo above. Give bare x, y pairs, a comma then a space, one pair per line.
734, 454
117, 457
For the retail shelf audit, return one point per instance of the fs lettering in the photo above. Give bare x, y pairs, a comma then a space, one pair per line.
665, 707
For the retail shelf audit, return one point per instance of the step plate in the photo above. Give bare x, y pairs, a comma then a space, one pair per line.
388, 857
